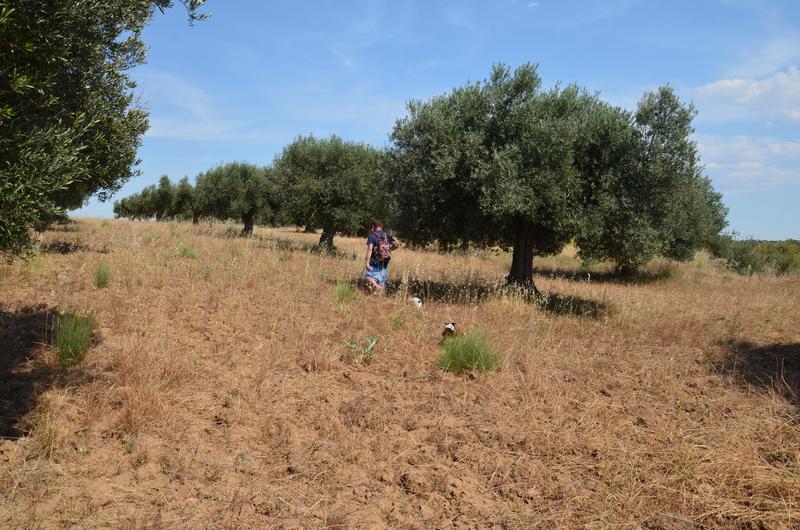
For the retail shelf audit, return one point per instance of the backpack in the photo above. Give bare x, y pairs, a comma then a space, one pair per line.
383, 250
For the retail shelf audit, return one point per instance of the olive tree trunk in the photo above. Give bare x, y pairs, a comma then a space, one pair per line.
247, 220
522, 260
326, 239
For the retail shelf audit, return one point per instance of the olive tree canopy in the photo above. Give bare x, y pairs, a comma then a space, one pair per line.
69, 123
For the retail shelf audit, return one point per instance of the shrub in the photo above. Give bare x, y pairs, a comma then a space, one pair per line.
72, 334
467, 353
343, 291
185, 251
101, 275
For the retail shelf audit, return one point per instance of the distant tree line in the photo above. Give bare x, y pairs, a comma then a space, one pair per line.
498, 162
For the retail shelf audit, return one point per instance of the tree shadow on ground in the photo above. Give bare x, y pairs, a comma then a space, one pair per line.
63, 247
22, 332
638, 278
288, 245
69, 247
772, 367
473, 292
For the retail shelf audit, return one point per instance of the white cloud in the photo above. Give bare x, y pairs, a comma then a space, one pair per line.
777, 96
181, 110
774, 55
745, 163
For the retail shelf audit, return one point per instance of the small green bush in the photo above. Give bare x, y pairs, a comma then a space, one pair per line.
343, 291
72, 335
101, 275
185, 251
467, 353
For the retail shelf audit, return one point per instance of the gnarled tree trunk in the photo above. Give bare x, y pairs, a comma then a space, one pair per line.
326, 239
247, 219
522, 260
309, 229
195, 216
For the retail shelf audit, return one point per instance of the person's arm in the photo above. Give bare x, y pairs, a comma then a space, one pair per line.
395, 243
369, 254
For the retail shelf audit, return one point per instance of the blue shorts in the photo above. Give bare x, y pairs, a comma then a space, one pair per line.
378, 274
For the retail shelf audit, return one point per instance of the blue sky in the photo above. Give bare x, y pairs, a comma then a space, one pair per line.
244, 83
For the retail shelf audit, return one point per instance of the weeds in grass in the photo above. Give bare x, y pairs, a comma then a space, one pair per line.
469, 352
185, 251
33, 265
105, 223
344, 292
231, 231
102, 274
365, 352
398, 320
72, 334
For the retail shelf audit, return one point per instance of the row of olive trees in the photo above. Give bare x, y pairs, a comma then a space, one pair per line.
319, 183
500, 162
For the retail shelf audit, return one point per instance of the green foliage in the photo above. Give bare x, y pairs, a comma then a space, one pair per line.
72, 335
102, 274
750, 256
331, 183
166, 201
238, 190
644, 191
468, 353
343, 291
365, 351
503, 162
69, 125
398, 320
185, 251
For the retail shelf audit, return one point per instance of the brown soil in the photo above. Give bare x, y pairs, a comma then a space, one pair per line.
219, 392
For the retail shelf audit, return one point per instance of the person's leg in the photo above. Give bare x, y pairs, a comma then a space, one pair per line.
373, 279
384, 276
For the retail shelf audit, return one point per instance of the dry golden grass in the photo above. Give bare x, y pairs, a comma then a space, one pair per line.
219, 392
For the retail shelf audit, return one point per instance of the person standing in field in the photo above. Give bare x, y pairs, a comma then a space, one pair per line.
380, 245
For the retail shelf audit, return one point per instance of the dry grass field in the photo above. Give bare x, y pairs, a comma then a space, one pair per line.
219, 391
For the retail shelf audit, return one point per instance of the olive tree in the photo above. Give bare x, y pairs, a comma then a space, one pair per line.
644, 184
503, 162
331, 183
492, 163
69, 123
238, 190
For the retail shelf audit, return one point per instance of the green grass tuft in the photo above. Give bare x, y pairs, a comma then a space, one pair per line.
102, 274
185, 251
467, 353
72, 335
343, 291
398, 320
